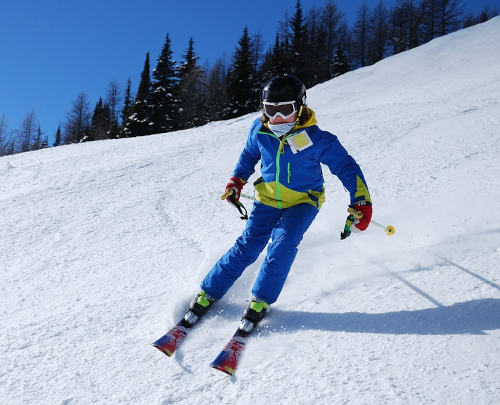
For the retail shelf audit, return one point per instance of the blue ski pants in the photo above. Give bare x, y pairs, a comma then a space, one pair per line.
285, 227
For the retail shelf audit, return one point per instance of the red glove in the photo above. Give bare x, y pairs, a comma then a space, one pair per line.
366, 208
236, 184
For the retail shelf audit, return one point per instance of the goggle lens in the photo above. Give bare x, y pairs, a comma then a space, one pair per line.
285, 110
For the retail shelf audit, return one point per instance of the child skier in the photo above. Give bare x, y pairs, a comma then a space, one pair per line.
289, 194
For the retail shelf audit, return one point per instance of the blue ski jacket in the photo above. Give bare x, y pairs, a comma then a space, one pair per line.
291, 165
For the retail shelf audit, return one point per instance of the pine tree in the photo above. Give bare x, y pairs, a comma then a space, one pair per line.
275, 61
101, 122
257, 60
300, 59
57, 140
44, 142
216, 95
340, 63
139, 123
286, 52
190, 90
37, 143
112, 100
316, 48
126, 109
163, 100
241, 79
95, 128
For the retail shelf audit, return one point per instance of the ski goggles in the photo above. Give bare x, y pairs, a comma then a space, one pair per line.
284, 109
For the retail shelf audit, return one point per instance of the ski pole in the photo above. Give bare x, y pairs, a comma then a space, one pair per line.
229, 195
354, 214
231, 191
389, 229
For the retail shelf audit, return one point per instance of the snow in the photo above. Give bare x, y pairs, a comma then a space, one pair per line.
103, 244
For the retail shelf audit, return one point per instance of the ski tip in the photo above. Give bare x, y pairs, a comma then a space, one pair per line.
224, 369
163, 350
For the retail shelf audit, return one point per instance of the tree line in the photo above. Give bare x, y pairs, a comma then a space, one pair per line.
315, 46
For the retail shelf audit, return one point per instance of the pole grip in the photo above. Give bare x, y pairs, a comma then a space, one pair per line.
389, 229
357, 214
229, 192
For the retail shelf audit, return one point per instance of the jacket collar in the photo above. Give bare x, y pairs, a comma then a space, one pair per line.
310, 122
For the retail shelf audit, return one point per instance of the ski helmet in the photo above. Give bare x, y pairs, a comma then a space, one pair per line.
284, 88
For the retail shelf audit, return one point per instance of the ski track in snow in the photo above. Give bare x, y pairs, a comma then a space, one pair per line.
103, 244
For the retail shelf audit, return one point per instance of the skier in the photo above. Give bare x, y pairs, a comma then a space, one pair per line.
289, 194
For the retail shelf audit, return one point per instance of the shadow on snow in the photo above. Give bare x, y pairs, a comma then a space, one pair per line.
470, 317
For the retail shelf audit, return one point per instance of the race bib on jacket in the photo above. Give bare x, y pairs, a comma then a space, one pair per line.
299, 142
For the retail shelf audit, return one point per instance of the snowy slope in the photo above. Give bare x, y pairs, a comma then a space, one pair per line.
103, 244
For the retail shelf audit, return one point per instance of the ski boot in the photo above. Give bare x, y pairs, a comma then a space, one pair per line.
254, 313
198, 307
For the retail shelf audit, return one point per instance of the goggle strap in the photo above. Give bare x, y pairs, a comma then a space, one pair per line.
299, 114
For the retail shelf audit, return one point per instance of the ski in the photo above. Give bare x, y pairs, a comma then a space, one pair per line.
228, 359
170, 342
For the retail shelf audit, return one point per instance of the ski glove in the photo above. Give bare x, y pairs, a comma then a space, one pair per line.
360, 215
236, 184
366, 209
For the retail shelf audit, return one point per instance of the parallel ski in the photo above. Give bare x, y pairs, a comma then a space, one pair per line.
169, 342
228, 359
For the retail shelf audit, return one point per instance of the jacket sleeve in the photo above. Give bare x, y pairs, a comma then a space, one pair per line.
250, 154
343, 165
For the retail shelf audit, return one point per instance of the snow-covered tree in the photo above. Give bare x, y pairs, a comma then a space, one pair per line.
163, 101
126, 108
138, 122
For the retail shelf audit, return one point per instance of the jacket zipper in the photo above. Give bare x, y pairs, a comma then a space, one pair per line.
278, 155
277, 180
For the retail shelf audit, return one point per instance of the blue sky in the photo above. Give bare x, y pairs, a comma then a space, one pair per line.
52, 50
